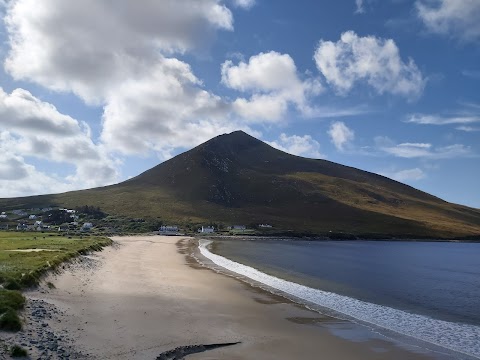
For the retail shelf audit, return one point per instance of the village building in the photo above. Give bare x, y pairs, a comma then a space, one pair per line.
38, 225
239, 227
24, 226
264, 226
168, 229
206, 229
32, 217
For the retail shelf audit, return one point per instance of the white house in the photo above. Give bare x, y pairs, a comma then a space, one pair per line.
168, 229
207, 229
265, 226
22, 226
38, 225
239, 227
32, 217
3, 215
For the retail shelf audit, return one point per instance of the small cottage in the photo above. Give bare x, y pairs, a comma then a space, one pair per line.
206, 229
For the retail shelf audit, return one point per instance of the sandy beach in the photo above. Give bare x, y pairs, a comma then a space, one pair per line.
145, 296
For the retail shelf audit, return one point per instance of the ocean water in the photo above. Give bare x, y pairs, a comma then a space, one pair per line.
426, 290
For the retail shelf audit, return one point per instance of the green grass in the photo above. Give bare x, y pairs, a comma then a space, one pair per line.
25, 268
11, 299
9, 321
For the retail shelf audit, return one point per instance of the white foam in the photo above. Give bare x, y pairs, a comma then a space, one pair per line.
463, 338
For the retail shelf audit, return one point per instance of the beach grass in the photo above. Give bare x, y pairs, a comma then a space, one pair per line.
25, 257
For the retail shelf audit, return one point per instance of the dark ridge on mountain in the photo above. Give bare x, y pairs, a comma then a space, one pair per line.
238, 179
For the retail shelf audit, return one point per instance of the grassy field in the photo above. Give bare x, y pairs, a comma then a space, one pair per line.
20, 267
25, 267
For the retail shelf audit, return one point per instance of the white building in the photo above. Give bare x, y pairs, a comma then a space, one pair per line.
22, 226
207, 229
32, 217
168, 229
265, 226
239, 227
38, 225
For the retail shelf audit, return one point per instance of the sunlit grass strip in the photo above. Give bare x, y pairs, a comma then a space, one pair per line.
20, 270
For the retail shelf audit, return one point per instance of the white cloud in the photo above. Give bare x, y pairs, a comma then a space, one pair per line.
340, 135
274, 83
298, 145
246, 4
30, 127
100, 43
19, 179
442, 120
467, 128
163, 109
453, 18
414, 174
421, 150
121, 57
359, 7
369, 59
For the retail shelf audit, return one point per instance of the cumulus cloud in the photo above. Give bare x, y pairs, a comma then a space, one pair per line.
19, 179
121, 57
273, 80
341, 135
414, 174
375, 61
102, 42
453, 18
162, 109
298, 145
421, 150
30, 127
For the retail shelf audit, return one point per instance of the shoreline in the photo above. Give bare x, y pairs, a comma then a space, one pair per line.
342, 307
310, 237
148, 296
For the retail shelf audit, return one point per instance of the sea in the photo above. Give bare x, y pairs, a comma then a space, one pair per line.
426, 291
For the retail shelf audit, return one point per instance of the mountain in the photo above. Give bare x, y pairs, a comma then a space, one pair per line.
237, 179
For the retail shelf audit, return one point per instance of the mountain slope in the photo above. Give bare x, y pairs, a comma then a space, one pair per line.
235, 178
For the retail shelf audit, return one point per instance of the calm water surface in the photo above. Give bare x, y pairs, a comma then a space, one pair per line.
440, 280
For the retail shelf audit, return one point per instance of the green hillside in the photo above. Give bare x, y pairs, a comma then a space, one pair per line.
237, 179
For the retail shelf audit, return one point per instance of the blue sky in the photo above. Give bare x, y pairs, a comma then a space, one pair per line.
95, 92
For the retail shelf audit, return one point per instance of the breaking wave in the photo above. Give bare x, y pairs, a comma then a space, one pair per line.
462, 338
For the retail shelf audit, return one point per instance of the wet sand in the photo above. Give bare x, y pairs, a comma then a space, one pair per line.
145, 296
